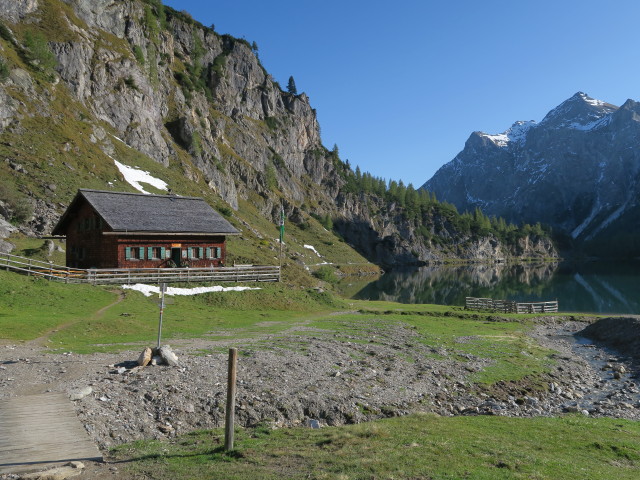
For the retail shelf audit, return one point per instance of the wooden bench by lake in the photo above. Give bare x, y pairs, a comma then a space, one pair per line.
509, 306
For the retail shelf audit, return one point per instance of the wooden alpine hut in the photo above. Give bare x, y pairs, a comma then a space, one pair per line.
106, 229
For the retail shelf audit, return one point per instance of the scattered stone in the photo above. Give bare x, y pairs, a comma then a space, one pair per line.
80, 394
168, 356
69, 470
145, 357
311, 423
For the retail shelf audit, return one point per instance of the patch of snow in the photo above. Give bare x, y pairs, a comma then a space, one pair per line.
134, 176
148, 290
594, 125
312, 248
580, 228
591, 101
517, 134
614, 216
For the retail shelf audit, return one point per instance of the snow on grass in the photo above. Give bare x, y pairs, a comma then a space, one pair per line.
148, 290
134, 176
312, 248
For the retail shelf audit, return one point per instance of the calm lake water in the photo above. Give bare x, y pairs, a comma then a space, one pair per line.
594, 287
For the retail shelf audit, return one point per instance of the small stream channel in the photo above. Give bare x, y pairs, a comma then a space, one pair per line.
612, 379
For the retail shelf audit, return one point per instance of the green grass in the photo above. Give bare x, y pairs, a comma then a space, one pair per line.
31, 307
418, 446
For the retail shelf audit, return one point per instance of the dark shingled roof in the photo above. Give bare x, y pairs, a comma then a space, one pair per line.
137, 212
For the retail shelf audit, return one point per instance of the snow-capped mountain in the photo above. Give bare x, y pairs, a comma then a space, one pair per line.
577, 170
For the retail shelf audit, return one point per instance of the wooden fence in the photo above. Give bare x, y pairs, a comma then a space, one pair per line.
241, 273
508, 306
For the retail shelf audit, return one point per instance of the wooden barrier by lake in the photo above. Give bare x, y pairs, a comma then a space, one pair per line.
509, 306
241, 273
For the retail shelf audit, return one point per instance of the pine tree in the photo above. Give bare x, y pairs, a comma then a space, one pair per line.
291, 86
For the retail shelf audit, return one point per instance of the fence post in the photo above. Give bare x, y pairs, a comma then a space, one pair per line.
231, 400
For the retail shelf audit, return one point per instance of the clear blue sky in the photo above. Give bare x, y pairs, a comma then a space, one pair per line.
399, 86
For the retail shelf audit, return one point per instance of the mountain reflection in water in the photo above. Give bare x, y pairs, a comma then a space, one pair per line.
594, 287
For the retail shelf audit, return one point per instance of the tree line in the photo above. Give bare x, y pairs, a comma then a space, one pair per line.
422, 207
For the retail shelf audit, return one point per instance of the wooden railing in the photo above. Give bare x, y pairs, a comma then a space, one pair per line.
243, 273
509, 306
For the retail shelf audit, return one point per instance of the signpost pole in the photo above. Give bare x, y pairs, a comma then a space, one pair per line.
163, 288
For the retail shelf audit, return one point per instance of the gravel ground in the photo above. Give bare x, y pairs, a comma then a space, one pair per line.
319, 377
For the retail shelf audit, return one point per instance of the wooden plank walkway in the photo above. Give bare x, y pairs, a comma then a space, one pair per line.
38, 431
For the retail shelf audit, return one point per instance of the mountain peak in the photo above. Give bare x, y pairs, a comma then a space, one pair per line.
580, 112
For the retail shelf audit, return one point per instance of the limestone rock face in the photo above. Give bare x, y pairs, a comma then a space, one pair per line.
578, 170
14, 10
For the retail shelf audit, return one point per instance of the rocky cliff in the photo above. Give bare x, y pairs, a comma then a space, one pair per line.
576, 170
91, 84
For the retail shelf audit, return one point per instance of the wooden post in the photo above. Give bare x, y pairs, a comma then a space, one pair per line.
231, 400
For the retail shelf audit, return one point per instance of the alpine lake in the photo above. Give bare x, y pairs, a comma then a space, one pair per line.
601, 287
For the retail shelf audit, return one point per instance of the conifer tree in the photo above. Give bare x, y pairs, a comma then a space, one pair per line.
291, 86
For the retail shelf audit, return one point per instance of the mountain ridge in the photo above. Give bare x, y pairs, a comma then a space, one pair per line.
576, 170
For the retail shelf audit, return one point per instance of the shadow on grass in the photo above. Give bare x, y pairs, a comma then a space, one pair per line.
218, 453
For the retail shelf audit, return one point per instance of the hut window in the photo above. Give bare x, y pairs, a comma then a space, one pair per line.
155, 253
134, 253
195, 252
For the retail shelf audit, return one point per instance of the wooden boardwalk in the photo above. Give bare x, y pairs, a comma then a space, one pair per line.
38, 431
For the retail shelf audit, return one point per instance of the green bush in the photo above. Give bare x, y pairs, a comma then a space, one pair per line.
18, 208
326, 274
38, 52
4, 71
6, 33
272, 123
137, 52
196, 143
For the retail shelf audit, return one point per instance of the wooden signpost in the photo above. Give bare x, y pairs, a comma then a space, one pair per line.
231, 400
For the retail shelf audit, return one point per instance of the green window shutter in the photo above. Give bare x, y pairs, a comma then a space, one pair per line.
141, 253
189, 252
149, 253
218, 252
208, 252
127, 253
162, 252
200, 252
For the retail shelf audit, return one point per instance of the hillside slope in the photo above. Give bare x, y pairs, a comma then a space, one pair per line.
577, 170
89, 88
